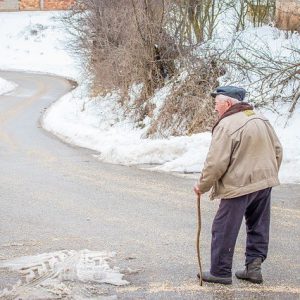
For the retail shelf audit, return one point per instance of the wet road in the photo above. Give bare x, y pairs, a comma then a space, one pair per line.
55, 196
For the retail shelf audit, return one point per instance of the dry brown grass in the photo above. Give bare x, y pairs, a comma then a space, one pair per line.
189, 108
123, 42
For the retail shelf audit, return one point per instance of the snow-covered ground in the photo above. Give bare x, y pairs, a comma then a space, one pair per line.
6, 86
34, 41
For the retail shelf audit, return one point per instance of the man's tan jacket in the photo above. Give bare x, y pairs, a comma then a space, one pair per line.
244, 156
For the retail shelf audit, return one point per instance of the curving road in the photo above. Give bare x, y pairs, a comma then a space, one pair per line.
54, 196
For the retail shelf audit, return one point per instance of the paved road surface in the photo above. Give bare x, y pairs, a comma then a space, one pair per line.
55, 196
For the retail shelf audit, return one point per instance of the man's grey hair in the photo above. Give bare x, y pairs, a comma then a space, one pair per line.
226, 98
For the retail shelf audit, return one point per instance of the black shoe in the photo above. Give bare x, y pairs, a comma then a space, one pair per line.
252, 272
206, 276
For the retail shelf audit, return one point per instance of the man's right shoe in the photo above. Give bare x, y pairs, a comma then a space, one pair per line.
208, 277
252, 272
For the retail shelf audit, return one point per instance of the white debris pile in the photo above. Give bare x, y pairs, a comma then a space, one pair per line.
48, 274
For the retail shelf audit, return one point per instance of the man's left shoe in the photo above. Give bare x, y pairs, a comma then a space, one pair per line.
206, 276
252, 272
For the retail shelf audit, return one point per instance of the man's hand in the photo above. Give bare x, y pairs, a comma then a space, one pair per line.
197, 189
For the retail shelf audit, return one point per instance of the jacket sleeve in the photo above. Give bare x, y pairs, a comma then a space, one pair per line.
278, 150
277, 146
217, 160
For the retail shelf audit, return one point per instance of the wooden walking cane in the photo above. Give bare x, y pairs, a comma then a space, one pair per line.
198, 239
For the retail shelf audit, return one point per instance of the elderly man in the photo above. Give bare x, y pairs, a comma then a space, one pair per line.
241, 168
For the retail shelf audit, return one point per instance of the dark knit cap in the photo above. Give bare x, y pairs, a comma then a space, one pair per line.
230, 91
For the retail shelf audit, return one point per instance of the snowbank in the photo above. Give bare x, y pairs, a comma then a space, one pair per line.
6, 86
101, 126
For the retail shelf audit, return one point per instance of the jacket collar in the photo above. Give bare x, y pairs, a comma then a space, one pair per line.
233, 110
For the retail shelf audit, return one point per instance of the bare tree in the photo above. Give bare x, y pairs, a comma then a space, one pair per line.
273, 78
194, 21
261, 11
258, 12
123, 42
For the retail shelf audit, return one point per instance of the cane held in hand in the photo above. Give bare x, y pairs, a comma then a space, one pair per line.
198, 237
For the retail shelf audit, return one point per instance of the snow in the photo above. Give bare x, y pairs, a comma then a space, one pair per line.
265, 47
6, 86
48, 275
289, 136
33, 41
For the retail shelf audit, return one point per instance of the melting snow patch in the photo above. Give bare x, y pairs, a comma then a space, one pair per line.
6, 86
54, 275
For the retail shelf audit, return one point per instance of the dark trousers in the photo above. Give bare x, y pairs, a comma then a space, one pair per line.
256, 209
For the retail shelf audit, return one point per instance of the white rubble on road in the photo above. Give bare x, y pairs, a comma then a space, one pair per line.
6, 86
50, 275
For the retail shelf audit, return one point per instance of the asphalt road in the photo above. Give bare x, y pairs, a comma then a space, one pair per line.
54, 196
